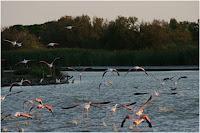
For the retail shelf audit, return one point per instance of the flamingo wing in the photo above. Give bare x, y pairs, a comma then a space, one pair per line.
70, 107
8, 41
45, 63
104, 73
140, 93
14, 93
55, 59
124, 120
27, 81
146, 102
13, 84
101, 102
115, 70
182, 77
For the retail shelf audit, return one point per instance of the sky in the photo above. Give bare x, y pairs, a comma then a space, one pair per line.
38, 12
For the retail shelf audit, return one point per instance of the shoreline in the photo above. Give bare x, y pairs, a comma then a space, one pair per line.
9, 73
126, 68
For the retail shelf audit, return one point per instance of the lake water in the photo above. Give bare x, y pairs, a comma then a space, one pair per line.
178, 112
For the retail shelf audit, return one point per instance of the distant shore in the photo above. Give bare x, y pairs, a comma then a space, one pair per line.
8, 75
126, 68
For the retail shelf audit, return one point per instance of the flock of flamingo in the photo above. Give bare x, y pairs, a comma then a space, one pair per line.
136, 115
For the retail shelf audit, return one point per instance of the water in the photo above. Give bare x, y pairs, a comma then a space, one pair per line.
167, 112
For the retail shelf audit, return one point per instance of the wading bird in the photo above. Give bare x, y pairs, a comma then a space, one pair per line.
19, 83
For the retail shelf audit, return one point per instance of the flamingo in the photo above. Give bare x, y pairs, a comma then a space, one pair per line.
19, 83
22, 114
50, 65
87, 105
110, 70
137, 68
14, 43
32, 102
69, 27
138, 121
25, 62
52, 44
43, 106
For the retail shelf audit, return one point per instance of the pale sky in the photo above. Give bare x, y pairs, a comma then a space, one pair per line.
37, 12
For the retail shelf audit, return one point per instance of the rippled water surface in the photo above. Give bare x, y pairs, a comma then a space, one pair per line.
178, 112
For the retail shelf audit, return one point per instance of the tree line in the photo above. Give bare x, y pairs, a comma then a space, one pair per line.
98, 33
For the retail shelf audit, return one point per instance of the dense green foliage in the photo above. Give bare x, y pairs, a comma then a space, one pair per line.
97, 33
72, 57
96, 41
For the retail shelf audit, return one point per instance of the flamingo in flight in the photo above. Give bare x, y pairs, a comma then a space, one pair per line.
176, 82
34, 101
23, 114
25, 62
110, 70
137, 121
69, 27
14, 43
87, 105
125, 105
136, 68
52, 44
50, 65
19, 83
43, 106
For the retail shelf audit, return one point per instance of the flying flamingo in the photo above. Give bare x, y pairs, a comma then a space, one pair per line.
86, 105
19, 83
138, 121
14, 43
69, 27
25, 62
33, 101
22, 114
43, 106
136, 68
52, 44
50, 65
